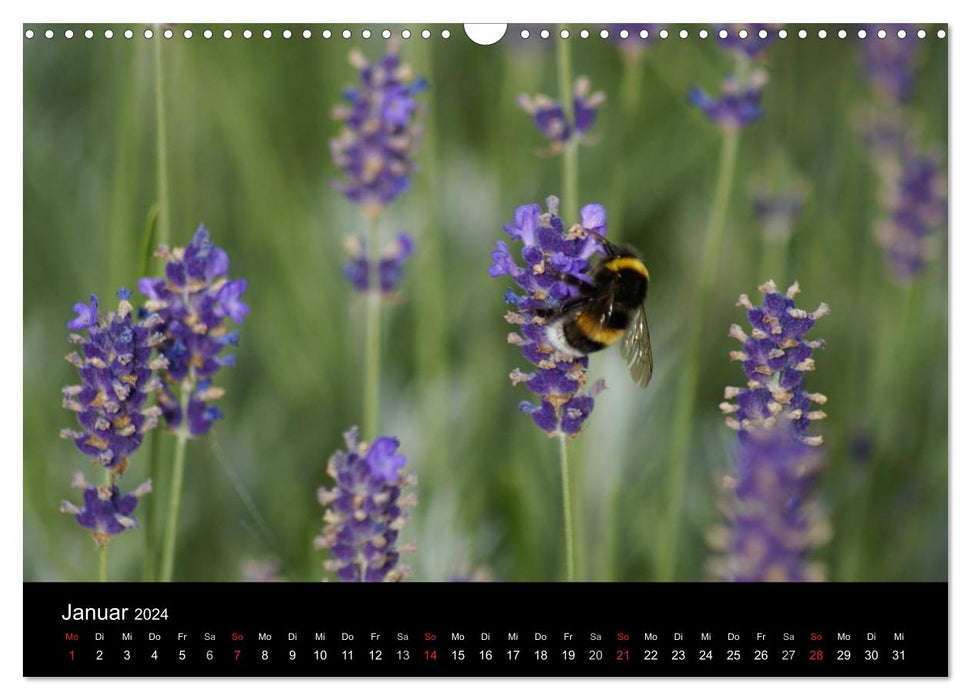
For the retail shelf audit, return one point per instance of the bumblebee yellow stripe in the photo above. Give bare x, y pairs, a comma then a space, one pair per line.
595, 331
618, 264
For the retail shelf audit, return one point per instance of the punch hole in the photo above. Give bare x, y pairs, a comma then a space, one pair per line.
405, 33
326, 34
366, 34
306, 34
129, 33
841, 33
267, 34
167, 34
207, 34
247, 34
821, 33
703, 34
584, 34
489, 34
109, 33
346, 34
49, 34
88, 34
29, 34
187, 33
68, 34
425, 34
604, 34
228, 34
941, 34
287, 34
148, 33
446, 34
683, 34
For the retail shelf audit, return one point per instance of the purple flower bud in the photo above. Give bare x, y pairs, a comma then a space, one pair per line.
366, 510
105, 511
551, 120
737, 106
549, 252
390, 265
379, 138
116, 372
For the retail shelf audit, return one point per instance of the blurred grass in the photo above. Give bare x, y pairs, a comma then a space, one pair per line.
248, 125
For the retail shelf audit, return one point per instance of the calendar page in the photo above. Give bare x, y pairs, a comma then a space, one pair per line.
485, 350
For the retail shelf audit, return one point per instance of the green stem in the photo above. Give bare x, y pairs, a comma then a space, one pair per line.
569, 205
178, 469
569, 533
103, 563
103, 549
148, 561
666, 551
775, 254
372, 343
161, 160
175, 497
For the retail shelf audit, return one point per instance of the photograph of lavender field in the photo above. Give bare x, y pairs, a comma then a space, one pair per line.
622, 306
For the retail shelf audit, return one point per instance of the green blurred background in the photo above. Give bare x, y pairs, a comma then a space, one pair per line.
248, 129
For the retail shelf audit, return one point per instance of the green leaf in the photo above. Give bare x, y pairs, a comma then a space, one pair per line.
148, 240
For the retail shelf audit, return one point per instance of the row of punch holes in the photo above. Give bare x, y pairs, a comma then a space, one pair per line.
524, 34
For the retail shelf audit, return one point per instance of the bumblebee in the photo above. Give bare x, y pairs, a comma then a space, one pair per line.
608, 308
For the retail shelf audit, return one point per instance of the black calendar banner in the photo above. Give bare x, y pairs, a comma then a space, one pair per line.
499, 629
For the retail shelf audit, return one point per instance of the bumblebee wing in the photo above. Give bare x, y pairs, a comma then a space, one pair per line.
637, 349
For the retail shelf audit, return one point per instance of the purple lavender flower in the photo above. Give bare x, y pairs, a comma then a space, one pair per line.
390, 266
116, 369
890, 62
752, 46
550, 118
773, 522
194, 301
377, 144
549, 252
917, 209
737, 106
105, 511
366, 510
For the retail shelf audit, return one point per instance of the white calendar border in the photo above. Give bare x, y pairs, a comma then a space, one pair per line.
381, 11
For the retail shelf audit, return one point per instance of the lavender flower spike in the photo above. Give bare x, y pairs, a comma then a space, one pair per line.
548, 252
116, 369
773, 521
105, 512
366, 510
550, 118
194, 300
376, 146
916, 209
